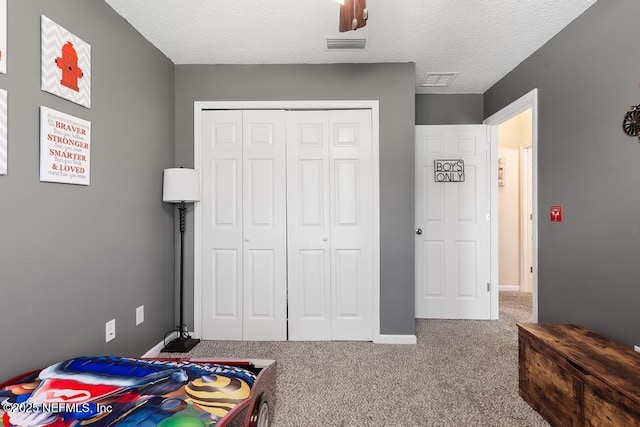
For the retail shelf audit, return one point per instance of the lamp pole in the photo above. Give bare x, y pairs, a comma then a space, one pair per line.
182, 208
181, 186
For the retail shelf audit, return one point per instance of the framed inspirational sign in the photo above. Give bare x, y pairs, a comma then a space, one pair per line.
65, 146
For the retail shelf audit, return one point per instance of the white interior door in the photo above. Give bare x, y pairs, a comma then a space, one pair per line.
264, 226
453, 250
330, 225
244, 225
222, 243
308, 225
351, 179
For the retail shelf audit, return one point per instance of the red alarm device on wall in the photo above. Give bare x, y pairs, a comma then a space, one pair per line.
556, 213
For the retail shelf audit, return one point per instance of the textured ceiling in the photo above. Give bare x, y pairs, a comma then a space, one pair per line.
481, 39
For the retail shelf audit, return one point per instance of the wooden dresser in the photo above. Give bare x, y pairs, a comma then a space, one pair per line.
575, 377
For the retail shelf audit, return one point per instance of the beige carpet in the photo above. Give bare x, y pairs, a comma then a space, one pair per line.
461, 373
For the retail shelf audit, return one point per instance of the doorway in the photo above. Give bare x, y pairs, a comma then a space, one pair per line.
514, 192
515, 166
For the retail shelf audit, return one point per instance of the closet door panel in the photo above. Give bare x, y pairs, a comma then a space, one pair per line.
308, 226
348, 286
264, 219
312, 263
225, 264
222, 225
350, 151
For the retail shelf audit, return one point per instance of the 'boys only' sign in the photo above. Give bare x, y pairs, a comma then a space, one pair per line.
448, 170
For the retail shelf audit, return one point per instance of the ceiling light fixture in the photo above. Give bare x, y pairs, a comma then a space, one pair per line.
353, 14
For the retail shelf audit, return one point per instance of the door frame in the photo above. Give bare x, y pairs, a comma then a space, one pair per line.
372, 105
525, 102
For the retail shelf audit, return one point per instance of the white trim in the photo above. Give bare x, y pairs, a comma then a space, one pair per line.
285, 105
525, 102
525, 193
372, 105
375, 160
494, 223
509, 288
397, 339
157, 349
522, 220
197, 220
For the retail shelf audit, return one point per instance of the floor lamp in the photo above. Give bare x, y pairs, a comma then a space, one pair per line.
182, 186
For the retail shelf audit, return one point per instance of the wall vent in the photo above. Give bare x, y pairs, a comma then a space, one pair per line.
438, 79
341, 44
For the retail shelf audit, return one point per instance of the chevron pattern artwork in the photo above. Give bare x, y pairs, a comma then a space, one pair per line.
3, 36
66, 64
3, 132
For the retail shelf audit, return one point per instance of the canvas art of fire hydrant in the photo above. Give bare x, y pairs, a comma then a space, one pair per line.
68, 63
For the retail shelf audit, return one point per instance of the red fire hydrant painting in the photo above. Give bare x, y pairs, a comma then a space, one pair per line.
65, 63
68, 63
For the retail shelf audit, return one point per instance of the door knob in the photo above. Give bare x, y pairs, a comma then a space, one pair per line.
418, 231
325, 238
246, 239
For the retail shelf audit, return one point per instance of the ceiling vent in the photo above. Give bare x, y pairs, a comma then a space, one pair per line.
342, 44
438, 79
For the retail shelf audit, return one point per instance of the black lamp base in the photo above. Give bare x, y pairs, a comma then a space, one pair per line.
181, 345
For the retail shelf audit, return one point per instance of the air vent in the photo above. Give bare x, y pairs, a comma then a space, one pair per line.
335, 43
438, 79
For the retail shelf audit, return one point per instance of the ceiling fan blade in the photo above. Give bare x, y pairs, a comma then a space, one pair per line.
350, 10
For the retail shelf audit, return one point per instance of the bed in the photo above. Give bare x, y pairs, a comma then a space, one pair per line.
107, 390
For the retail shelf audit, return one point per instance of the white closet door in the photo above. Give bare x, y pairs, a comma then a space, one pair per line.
330, 231
222, 249
244, 225
308, 226
351, 224
264, 219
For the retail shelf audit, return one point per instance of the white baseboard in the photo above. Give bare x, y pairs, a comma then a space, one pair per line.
155, 351
509, 288
397, 339
383, 339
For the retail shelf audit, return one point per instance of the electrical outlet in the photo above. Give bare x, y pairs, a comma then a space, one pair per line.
110, 330
637, 348
139, 315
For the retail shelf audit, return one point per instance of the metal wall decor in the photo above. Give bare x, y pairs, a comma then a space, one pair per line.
631, 122
448, 170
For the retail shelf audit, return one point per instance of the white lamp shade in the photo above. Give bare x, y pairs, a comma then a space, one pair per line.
180, 185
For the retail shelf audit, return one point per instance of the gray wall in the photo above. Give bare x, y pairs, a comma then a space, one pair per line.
73, 257
393, 85
444, 109
587, 78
